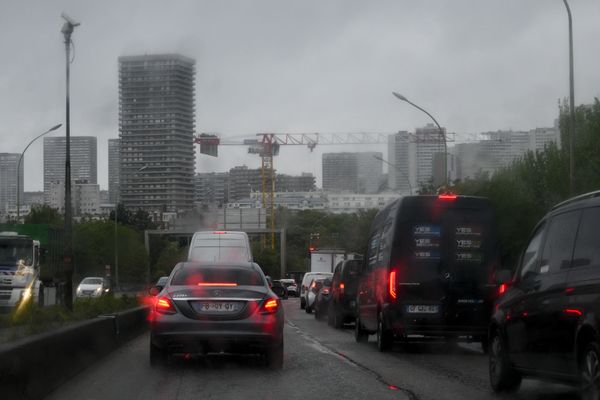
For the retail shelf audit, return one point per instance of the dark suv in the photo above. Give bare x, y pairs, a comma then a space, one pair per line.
547, 323
343, 303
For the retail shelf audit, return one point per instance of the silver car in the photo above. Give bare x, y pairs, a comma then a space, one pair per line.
217, 307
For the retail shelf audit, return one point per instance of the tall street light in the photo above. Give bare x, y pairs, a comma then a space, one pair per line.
19, 170
442, 135
67, 30
571, 105
394, 166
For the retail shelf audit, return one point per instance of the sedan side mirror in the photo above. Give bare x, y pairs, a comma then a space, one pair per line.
503, 275
154, 291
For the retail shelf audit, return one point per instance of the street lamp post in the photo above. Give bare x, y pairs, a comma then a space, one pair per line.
571, 105
442, 135
19, 169
394, 166
67, 30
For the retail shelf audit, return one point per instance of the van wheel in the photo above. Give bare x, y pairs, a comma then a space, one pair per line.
330, 311
385, 338
485, 345
360, 334
503, 376
589, 372
307, 309
338, 321
302, 303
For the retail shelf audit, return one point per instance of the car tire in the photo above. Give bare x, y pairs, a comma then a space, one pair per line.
485, 345
330, 312
308, 309
302, 303
274, 356
317, 314
338, 321
385, 338
589, 372
503, 377
360, 334
158, 356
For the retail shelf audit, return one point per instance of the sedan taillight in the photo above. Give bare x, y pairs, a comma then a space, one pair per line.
165, 306
269, 306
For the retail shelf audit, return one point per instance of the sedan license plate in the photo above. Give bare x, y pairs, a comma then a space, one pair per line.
210, 307
422, 309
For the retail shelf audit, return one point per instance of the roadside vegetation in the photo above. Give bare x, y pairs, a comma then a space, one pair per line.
31, 318
526, 190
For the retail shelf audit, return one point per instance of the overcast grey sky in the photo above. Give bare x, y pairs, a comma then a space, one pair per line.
298, 66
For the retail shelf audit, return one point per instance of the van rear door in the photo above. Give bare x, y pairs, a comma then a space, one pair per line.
445, 257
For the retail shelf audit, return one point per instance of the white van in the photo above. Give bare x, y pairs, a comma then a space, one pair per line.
215, 246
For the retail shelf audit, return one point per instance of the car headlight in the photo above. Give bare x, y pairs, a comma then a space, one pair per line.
98, 290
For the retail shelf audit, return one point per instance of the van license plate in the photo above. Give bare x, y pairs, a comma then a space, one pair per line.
422, 309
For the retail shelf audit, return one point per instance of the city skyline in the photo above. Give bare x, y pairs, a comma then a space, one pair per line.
337, 77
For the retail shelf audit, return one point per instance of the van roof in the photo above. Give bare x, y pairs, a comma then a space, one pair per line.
591, 198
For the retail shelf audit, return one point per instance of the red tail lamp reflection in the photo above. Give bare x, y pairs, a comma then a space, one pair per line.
502, 289
392, 285
164, 306
573, 311
342, 287
270, 306
210, 284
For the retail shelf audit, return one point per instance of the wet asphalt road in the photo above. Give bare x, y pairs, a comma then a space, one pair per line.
319, 362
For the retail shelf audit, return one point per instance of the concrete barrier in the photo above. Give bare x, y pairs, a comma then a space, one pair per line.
32, 367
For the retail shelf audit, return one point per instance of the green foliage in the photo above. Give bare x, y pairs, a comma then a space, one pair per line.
36, 319
44, 214
139, 220
170, 254
525, 191
94, 248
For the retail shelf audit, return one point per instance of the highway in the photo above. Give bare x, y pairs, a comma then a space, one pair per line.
320, 362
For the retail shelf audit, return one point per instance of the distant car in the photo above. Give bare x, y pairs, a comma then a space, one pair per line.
323, 300
313, 291
92, 287
217, 307
279, 289
291, 286
306, 280
343, 297
161, 282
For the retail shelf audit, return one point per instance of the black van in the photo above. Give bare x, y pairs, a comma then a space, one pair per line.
344, 285
429, 270
547, 323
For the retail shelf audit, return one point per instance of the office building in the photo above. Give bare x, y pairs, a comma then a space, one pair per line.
211, 188
291, 183
428, 142
399, 162
352, 172
84, 164
8, 181
243, 181
85, 198
114, 162
156, 125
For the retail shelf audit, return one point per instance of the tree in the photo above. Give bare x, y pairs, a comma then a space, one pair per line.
44, 214
168, 257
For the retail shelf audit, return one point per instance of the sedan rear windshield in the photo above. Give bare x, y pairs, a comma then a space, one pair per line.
215, 275
92, 281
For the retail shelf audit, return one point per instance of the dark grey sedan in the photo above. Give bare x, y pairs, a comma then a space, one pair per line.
214, 307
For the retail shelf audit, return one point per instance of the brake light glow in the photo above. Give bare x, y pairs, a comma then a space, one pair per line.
165, 306
326, 291
447, 196
270, 306
573, 311
342, 287
502, 289
392, 285
219, 232
210, 284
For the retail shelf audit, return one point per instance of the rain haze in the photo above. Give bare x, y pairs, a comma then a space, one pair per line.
311, 66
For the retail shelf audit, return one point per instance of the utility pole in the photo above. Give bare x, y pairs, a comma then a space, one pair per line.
571, 106
67, 30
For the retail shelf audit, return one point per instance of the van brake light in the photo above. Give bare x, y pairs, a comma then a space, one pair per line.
392, 285
447, 196
342, 286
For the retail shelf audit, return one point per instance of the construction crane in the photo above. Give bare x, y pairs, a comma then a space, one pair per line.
267, 145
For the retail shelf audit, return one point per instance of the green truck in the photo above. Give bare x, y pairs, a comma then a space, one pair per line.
30, 257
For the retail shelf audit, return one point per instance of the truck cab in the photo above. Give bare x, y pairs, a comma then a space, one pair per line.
19, 269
